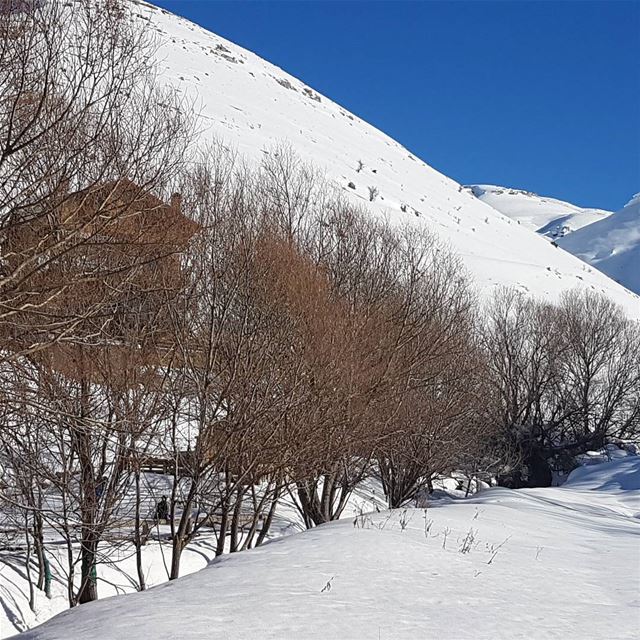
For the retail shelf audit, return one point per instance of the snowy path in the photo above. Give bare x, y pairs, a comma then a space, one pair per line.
548, 563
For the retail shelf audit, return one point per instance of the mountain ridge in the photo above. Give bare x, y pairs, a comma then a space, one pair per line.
547, 216
612, 245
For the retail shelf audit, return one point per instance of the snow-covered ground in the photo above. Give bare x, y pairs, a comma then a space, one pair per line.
544, 563
254, 106
612, 245
116, 568
547, 216
15, 614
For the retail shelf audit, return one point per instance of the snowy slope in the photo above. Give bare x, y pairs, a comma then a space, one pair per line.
253, 106
612, 245
543, 563
16, 616
547, 216
117, 571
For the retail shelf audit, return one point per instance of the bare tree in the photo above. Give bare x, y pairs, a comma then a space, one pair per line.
599, 381
84, 136
87, 146
565, 379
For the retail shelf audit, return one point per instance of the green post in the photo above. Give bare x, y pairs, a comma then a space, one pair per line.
47, 576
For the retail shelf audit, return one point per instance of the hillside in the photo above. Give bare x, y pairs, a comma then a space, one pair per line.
547, 216
254, 106
612, 245
534, 563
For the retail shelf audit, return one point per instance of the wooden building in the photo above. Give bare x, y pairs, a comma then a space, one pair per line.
91, 274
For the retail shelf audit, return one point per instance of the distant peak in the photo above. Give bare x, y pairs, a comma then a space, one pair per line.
635, 200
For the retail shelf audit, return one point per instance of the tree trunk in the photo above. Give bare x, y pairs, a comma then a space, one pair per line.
312, 510
71, 595
222, 533
429, 484
176, 554
38, 543
88, 501
47, 575
89, 586
138, 538
540, 474
235, 521
32, 594
269, 519
182, 534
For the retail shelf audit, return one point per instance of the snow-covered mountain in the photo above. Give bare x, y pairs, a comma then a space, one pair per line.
612, 245
547, 216
253, 106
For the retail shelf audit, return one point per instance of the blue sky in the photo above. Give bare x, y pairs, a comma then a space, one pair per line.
543, 96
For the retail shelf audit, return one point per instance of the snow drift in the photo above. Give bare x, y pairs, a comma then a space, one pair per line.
537, 563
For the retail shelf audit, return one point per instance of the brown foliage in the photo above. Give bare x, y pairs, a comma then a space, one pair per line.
85, 139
